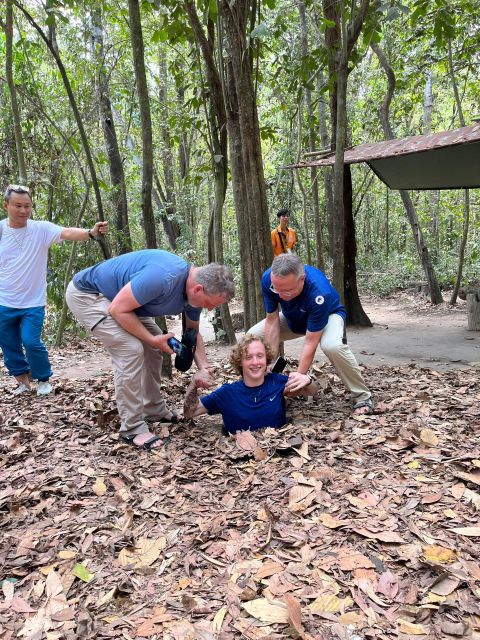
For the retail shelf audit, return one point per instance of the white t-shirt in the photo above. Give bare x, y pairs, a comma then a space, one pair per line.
23, 263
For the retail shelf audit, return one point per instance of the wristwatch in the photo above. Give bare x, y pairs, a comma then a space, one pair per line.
90, 235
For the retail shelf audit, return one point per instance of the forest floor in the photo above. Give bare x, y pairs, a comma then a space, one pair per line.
335, 526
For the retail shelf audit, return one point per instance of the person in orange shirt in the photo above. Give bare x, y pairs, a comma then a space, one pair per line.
284, 237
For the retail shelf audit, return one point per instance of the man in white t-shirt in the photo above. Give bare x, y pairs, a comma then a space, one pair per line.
24, 245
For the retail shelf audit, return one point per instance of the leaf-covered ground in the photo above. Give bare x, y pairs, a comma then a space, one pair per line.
332, 527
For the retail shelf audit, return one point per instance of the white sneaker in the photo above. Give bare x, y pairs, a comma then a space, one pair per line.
22, 388
44, 388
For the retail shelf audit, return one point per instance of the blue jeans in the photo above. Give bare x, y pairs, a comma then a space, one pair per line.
21, 342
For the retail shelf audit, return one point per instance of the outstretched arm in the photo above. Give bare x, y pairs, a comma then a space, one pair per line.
74, 233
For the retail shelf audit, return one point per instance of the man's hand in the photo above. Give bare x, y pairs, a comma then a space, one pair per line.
160, 342
203, 379
99, 229
296, 381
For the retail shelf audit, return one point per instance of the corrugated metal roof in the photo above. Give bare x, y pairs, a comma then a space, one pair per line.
401, 146
444, 160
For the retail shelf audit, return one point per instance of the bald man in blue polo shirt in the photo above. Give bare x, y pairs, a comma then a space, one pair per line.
300, 301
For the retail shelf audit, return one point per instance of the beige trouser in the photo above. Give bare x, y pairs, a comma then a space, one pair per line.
137, 367
339, 354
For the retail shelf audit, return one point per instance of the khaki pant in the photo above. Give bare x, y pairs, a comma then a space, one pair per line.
137, 367
339, 354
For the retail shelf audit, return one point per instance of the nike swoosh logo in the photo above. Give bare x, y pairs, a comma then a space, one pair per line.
273, 398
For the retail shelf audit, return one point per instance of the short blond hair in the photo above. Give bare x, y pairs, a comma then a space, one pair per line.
240, 349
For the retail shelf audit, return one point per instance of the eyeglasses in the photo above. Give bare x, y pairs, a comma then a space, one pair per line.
18, 188
288, 293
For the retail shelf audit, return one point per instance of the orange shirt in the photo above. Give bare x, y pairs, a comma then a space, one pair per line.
283, 241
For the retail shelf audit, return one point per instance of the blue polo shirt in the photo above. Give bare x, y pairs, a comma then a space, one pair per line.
158, 280
310, 310
250, 408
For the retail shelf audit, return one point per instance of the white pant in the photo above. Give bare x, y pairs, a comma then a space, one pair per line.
137, 366
331, 343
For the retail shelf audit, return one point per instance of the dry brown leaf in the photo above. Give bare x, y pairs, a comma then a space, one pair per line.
330, 522
473, 532
355, 560
384, 536
427, 436
268, 569
329, 603
300, 497
99, 488
473, 497
434, 553
351, 618
445, 586
218, 619
469, 477
145, 552
413, 629
294, 613
266, 611
388, 584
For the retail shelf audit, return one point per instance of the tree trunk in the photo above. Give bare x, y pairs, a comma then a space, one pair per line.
301, 185
169, 224
136, 37
422, 249
217, 122
355, 312
340, 38
246, 159
117, 174
312, 143
473, 311
17, 127
327, 176
466, 193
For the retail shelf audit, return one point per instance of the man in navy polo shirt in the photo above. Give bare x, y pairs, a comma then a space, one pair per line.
300, 301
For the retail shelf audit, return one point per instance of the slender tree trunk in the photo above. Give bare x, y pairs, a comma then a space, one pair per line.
355, 312
17, 127
301, 185
81, 129
312, 143
169, 224
466, 193
327, 175
217, 121
136, 37
242, 117
434, 194
117, 174
422, 249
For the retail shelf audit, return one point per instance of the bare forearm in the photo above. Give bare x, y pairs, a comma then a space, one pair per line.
272, 335
130, 322
75, 234
308, 352
200, 354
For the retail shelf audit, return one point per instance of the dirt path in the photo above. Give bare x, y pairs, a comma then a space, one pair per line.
406, 330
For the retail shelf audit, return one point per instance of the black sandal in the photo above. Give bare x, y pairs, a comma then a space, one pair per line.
364, 403
148, 445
